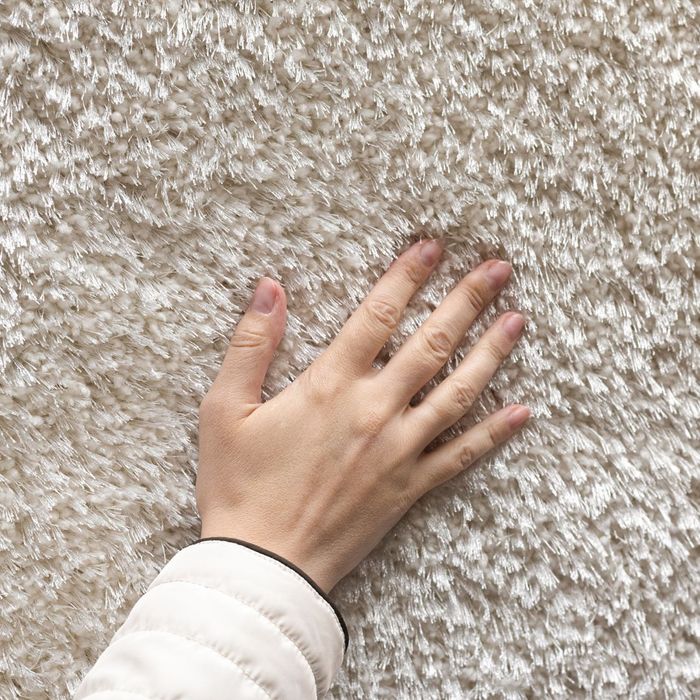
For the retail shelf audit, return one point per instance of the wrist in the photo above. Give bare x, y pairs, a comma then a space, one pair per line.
271, 576
305, 563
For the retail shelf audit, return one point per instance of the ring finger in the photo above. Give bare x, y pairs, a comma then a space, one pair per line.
453, 397
448, 460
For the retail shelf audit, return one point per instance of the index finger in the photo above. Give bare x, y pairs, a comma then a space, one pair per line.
373, 322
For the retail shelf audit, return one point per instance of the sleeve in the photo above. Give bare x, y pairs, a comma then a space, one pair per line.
224, 619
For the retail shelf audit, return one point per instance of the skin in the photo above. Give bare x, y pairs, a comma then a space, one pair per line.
322, 471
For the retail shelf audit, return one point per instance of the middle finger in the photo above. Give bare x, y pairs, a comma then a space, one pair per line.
420, 358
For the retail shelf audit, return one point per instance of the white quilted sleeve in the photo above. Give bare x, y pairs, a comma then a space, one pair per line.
224, 619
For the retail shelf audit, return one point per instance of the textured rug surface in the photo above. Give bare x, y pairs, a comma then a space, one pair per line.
158, 158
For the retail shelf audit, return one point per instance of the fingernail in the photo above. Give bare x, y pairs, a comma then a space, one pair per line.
512, 324
430, 252
498, 272
518, 415
264, 296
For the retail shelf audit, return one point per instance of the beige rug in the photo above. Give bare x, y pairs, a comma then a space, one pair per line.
157, 158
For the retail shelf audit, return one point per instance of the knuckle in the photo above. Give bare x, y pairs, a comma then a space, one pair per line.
465, 455
496, 433
369, 424
495, 352
463, 394
413, 272
248, 338
474, 295
321, 387
437, 341
383, 313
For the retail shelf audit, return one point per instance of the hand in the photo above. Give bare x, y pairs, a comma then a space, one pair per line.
322, 471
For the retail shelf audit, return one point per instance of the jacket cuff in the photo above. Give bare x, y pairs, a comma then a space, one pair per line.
274, 586
223, 618
297, 570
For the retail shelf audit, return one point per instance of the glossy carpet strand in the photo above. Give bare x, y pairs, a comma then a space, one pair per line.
159, 157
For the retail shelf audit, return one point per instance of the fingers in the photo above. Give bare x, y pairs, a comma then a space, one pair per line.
436, 467
253, 344
425, 352
453, 397
373, 322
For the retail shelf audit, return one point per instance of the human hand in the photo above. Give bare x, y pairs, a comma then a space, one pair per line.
322, 471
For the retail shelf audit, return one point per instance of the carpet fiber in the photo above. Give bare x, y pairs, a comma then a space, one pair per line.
159, 157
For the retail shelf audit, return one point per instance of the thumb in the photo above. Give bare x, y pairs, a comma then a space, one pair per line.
254, 341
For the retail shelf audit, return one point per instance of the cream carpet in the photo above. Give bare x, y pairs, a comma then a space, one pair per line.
157, 158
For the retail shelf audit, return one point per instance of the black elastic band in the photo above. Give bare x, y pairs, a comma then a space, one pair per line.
292, 566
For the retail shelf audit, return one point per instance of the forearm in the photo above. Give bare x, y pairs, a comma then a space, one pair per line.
223, 620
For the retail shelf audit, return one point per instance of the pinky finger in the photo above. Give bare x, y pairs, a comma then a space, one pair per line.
448, 460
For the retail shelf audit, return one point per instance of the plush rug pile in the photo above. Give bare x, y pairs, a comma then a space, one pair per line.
159, 157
